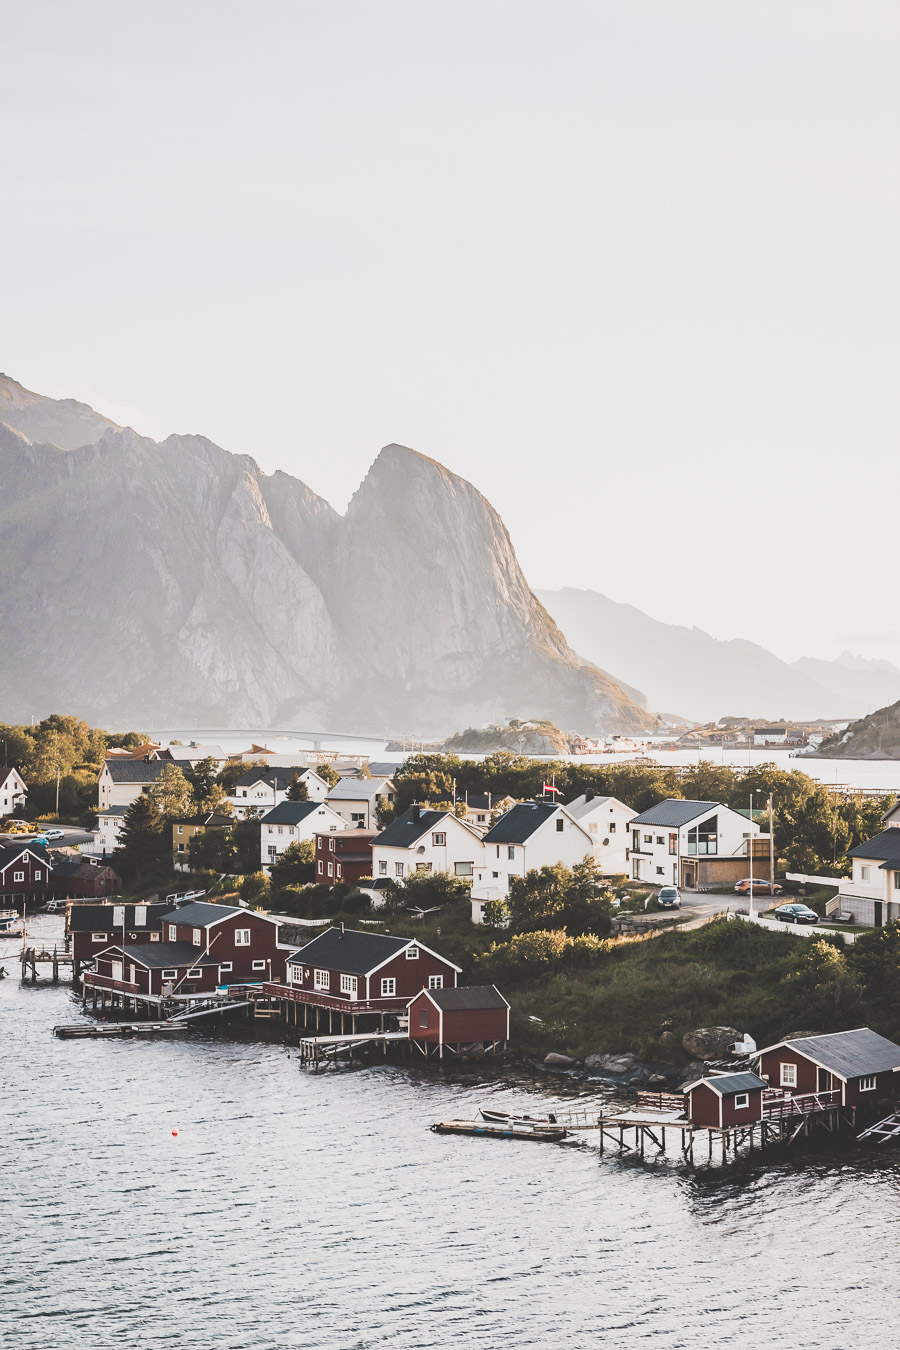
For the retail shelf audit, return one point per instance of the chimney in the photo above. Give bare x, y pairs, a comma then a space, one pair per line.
415, 811
589, 795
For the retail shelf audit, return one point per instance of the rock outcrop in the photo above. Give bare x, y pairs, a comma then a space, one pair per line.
710, 1042
174, 582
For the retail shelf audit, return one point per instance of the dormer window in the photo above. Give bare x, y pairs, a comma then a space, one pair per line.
412, 953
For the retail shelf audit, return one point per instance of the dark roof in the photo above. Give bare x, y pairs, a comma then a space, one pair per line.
211, 818
134, 770
468, 997
405, 831
80, 867
157, 954
277, 776
9, 852
520, 822
351, 951
201, 913
290, 813
6, 770
727, 1083
380, 768
92, 918
848, 1054
674, 812
884, 846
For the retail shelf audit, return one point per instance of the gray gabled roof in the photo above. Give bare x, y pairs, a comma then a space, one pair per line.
726, 1084
584, 805
674, 812
360, 789
278, 776
846, 1054
135, 770
520, 822
290, 813
202, 913
884, 846
406, 830
350, 951
155, 955
94, 918
467, 998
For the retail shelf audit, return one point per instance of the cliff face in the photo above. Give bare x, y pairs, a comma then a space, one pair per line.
874, 737
173, 581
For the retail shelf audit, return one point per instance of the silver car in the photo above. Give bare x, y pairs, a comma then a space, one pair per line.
669, 898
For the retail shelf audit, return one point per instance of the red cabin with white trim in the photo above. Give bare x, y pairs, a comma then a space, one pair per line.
724, 1100
343, 967
465, 1015
243, 942
858, 1064
153, 971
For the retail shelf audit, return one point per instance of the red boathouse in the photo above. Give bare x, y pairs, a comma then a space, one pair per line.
724, 1100
346, 970
147, 974
859, 1065
242, 942
460, 1018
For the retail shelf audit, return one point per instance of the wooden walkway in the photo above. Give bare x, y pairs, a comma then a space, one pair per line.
316, 1049
883, 1130
81, 1031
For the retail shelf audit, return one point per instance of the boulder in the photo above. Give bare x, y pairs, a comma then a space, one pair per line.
556, 1061
710, 1042
657, 1080
696, 1069
614, 1064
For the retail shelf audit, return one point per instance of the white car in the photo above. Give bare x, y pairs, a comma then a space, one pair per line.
54, 834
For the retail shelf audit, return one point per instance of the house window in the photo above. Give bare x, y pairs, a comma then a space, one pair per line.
273, 851
412, 953
322, 979
398, 869
331, 869
18, 876
592, 828
37, 874
358, 817
511, 851
648, 838
463, 869
788, 1075
180, 829
98, 937
612, 827
439, 839
242, 937
140, 916
348, 985
225, 966
173, 933
180, 848
867, 1084
170, 975
154, 937
296, 974
388, 988
197, 937
194, 974
673, 843
281, 829
258, 965
897, 880
321, 867
864, 874
660, 871
423, 1017
331, 845
559, 825
423, 867
435, 981
741, 1101
382, 869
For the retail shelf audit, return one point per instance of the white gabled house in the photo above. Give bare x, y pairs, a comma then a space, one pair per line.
262, 788
607, 821
531, 835
109, 826
12, 790
872, 894
121, 781
426, 841
357, 800
290, 823
693, 844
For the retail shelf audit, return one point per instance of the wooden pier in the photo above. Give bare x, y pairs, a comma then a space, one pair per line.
316, 1050
46, 960
80, 1030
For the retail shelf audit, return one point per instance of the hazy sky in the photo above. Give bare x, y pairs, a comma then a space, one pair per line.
630, 267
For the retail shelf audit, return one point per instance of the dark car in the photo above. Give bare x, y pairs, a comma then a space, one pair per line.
669, 898
796, 914
760, 887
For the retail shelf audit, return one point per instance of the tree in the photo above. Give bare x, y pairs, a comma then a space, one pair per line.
172, 792
495, 915
247, 835
235, 769
213, 851
557, 897
328, 775
144, 840
254, 889
203, 779
425, 889
295, 866
823, 979
298, 791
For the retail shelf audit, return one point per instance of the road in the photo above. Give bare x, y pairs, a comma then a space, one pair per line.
73, 834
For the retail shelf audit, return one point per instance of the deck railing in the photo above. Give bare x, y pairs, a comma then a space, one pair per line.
91, 977
660, 1101
778, 1105
317, 999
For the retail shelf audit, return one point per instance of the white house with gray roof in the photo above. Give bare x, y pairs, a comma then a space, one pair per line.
607, 821
872, 894
291, 823
121, 781
530, 835
12, 790
426, 841
357, 800
693, 844
261, 788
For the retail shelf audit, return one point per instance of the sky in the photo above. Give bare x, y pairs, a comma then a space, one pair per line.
631, 268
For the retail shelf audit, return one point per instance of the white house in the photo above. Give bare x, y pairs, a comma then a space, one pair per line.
121, 781
262, 788
770, 735
692, 844
290, 823
531, 835
872, 895
12, 790
426, 841
193, 753
483, 807
606, 820
109, 827
356, 800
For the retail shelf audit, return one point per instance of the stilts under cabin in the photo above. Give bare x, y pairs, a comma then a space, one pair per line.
469, 1017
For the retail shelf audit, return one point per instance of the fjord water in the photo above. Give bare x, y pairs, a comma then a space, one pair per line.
300, 1209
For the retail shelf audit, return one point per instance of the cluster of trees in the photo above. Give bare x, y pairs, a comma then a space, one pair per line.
814, 829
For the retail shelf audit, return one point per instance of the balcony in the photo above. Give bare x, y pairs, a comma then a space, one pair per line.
90, 977
319, 999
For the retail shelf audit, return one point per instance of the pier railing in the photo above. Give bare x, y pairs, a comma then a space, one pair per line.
320, 1000
660, 1101
91, 977
779, 1105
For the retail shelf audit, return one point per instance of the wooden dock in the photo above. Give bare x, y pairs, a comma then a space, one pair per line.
46, 960
81, 1030
316, 1050
546, 1134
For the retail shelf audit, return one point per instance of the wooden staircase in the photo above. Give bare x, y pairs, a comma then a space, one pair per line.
889, 1128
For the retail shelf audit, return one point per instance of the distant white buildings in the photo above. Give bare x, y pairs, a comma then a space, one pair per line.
262, 788
607, 821
531, 835
426, 841
109, 826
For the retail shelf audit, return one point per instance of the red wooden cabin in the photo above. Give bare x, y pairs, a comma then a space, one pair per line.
344, 855
243, 942
153, 970
858, 1064
92, 928
25, 873
465, 1015
352, 971
724, 1100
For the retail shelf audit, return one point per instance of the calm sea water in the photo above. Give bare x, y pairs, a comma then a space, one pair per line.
296, 1209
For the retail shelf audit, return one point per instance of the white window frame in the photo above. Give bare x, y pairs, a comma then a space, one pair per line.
382, 869
741, 1101
439, 839
242, 937
258, 965
435, 981
18, 876
169, 975
296, 973
868, 1083
197, 937
225, 967
322, 980
398, 869
173, 933
389, 987
788, 1075
99, 937
412, 953
195, 974
349, 985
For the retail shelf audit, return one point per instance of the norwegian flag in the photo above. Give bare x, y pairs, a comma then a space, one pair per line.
548, 787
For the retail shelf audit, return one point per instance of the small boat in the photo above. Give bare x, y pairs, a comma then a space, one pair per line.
512, 1129
506, 1118
8, 917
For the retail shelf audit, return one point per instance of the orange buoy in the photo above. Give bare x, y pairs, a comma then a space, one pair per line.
174, 1134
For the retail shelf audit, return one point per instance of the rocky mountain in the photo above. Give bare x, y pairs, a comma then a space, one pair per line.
874, 737
688, 672
175, 582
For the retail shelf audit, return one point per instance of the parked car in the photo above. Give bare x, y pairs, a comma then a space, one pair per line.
669, 898
796, 914
54, 834
759, 887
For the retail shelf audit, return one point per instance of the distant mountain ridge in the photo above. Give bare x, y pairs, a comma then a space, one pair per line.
171, 582
688, 672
